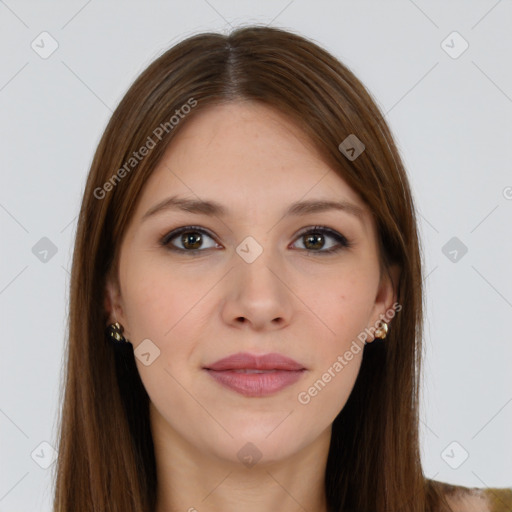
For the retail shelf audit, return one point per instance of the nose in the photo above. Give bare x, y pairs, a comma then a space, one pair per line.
257, 296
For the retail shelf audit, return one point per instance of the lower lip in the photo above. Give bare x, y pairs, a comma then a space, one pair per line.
256, 384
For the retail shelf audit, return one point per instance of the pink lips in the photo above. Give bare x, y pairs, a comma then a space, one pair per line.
253, 375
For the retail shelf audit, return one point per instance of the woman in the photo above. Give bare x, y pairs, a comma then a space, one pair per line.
248, 237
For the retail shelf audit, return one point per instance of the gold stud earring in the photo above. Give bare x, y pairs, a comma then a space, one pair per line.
115, 334
382, 331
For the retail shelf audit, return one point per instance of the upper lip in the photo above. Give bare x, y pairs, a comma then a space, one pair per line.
246, 361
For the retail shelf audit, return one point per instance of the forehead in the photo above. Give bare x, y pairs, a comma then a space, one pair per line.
244, 135
248, 156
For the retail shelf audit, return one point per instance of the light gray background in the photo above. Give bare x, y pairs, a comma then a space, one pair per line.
452, 119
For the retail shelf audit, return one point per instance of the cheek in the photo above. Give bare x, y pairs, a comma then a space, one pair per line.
326, 392
151, 309
171, 308
338, 356
164, 306
343, 304
159, 298
344, 309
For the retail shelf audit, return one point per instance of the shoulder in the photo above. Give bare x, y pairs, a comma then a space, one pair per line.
475, 499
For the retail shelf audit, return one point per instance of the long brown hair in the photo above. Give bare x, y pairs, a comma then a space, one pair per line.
106, 456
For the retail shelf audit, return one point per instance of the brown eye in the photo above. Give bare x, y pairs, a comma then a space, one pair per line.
314, 240
192, 240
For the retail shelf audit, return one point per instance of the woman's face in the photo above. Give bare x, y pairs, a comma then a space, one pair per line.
251, 279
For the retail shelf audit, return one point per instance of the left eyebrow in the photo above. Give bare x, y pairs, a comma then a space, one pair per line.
300, 208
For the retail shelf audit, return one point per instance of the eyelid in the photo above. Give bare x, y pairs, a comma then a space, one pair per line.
166, 239
343, 242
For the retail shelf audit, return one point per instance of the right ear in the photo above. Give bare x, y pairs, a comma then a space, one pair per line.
112, 301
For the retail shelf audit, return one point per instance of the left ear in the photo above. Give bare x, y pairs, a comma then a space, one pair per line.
387, 293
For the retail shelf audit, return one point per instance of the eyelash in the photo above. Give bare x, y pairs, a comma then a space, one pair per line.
342, 240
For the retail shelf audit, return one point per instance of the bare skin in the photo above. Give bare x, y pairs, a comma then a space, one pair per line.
294, 299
